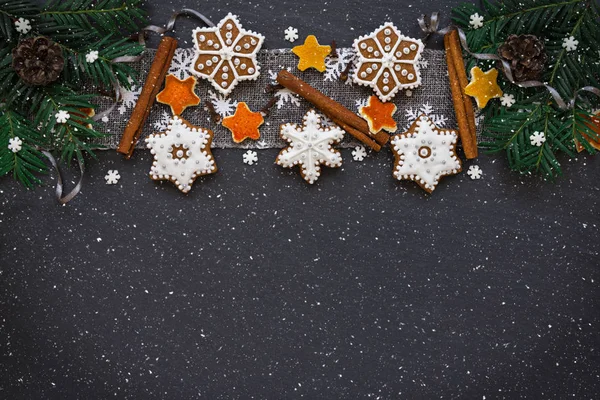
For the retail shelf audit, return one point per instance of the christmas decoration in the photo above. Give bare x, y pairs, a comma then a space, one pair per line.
474, 172
178, 94
507, 100
537, 139
244, 123
379, 115
181, 154
291, 34
310, 146
112, 177
312, 54
476, 21
43, 62
359, 153
425, 153
388, 61
226, 54
15, 144
250, 157
483, 86
526, 55
529, 35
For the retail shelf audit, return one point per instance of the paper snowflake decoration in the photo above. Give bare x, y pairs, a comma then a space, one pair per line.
359, 153
476, 21
23, 25
222, 105
291, 34
507, 100
388, 61
112, 177
15, 144
62, 116
226, 54
474, 172
570, 44
426, 109
181, 154
91, 56
425, 153
310, 146
537, 139
250, 157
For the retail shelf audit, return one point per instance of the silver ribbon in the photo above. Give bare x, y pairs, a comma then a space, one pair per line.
432, 28
59, 184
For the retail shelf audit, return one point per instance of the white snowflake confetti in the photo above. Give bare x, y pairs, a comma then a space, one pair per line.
23, 25
359, 153
112, 177
474, 172
129, 98
507, 100
163, 121
91, 56
250, 157
310, 146
291, 34
15, 144
427, 110
223, 106
476, 21
425, 154
360, 103
62, 116
537, 139
181, 63
570, 44
335, 66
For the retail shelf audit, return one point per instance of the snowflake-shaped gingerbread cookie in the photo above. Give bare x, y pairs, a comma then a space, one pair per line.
310, 146
226, 54
425, 153
388, 61
181, 154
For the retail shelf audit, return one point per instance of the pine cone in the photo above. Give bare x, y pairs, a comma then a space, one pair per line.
38, 61
526, 55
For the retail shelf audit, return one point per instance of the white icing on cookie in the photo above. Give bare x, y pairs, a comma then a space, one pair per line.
181, 154
310, 146
425, 153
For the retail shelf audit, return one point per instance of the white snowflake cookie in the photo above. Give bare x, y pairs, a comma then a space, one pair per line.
474, 172
359, 153
310, 146
226, 54
425, 154
181, 154
570, 44
388, 61
537, 139
250, 157
291, 34
15, 144
112, 177
476, 21
23, 25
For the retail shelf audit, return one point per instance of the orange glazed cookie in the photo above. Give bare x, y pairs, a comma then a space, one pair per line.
379, 115
178, 94
244, 123
483, 86
312, 54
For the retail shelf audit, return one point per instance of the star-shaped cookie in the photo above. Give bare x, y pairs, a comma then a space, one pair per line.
379, 115
178, 94
425, 153
483, 86
244, 123
312, 54
226, 54
181, 154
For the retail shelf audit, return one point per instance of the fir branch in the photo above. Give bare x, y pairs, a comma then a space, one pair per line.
11, 10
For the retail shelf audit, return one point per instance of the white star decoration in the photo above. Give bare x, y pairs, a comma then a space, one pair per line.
226, 54
570, 44
537, 139
181, 154
388, 61
310, 146
425, 153
476, 21
291, 34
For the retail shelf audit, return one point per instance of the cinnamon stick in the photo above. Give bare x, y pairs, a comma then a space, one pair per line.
156, 76
339, 114
463, 104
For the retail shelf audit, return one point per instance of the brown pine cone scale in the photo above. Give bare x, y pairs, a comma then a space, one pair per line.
526, 55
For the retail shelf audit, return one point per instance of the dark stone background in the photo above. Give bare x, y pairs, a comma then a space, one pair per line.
257, 285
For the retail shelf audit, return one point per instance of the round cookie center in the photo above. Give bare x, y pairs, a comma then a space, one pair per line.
424, 152
388, 61
179, 152
227, 53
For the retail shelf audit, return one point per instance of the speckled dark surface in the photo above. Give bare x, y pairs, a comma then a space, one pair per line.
256, 285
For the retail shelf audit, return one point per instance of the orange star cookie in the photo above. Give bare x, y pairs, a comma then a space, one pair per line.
483, 86
244, 123
594, 125
312, 54
178, 94
379, 115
